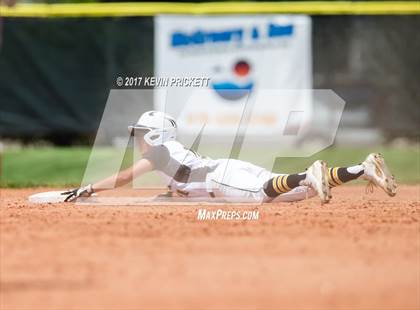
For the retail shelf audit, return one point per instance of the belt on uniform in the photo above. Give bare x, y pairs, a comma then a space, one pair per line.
185, 193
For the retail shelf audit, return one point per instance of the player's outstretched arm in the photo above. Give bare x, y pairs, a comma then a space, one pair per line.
124, 177
119, 179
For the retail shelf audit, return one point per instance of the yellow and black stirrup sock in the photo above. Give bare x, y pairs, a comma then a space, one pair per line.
339, 175
282, 184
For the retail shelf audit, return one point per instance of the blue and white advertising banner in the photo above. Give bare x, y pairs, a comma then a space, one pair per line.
240, 56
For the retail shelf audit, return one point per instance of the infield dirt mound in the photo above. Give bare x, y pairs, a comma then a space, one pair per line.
358, 252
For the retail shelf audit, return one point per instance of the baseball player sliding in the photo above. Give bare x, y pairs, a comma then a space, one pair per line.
190, 175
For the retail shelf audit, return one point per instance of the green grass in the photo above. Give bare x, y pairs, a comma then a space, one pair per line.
43, 166
48, 166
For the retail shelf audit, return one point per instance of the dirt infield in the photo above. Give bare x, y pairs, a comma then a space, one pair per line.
359, 252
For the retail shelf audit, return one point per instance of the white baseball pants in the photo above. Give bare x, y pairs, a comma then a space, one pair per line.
240, 181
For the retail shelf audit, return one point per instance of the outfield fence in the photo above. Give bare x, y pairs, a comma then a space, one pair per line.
62, 59
230, 7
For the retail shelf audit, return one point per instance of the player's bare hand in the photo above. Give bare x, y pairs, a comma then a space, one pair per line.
73, 194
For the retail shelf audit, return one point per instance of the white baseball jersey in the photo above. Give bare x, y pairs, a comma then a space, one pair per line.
190, 174
184, 171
